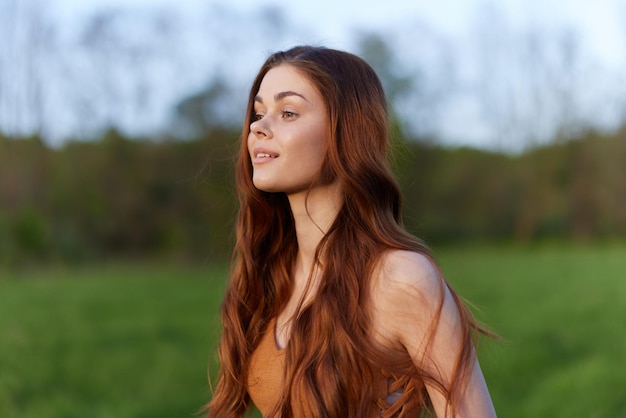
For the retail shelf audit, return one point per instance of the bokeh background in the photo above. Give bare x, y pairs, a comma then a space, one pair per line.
118, 126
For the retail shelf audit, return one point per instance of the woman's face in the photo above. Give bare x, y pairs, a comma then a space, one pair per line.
287, 140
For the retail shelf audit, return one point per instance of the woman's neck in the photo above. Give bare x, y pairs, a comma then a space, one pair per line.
313, 215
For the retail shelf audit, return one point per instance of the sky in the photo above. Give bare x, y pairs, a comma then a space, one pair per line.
602, 23
600, 26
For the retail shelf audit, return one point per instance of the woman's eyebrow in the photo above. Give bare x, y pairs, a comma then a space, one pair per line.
281, 95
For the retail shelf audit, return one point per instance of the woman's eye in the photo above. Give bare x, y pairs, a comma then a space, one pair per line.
257, 116
288, 115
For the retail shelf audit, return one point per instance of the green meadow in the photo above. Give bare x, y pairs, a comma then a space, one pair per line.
134, 341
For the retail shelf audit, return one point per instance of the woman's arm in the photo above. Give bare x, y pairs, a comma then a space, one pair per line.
408, 301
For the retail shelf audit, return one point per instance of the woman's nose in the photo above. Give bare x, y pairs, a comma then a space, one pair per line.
260, 128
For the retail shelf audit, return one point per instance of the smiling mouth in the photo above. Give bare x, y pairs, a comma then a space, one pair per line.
264, 155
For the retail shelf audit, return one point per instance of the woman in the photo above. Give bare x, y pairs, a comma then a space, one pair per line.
333, 309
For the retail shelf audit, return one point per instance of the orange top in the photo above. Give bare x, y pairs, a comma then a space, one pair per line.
265, 383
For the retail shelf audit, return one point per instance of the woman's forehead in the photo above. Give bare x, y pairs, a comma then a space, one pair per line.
286, 80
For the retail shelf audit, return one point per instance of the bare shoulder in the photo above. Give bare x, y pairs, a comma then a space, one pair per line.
409, 296
407, 292
415, 311
407, 274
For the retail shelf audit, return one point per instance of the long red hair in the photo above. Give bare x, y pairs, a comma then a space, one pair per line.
331, 363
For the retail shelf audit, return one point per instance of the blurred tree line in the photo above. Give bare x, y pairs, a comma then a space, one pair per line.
115, 197
123, 197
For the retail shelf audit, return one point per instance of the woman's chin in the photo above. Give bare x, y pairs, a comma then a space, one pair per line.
266, 186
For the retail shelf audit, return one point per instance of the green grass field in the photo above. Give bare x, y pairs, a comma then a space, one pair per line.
563, 314
134, 341
107, 342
